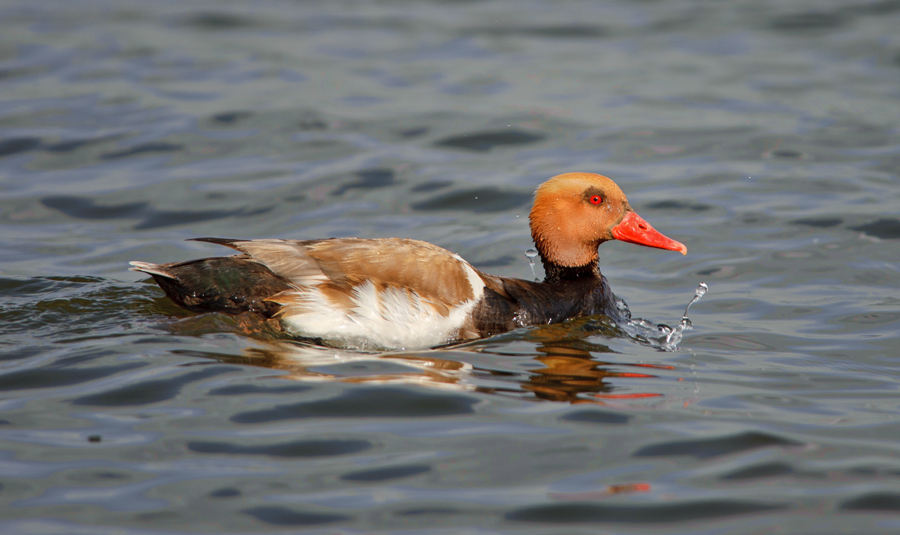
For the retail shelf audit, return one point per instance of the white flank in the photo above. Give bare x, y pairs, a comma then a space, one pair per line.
396, 318
474, 280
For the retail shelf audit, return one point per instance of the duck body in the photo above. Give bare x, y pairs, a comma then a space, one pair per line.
397, 293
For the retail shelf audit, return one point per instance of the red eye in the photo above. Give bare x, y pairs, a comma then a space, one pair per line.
596, 199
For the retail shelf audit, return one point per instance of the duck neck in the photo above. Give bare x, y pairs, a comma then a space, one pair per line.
557, 274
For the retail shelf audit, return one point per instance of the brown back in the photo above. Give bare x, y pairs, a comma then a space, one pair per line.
342, 263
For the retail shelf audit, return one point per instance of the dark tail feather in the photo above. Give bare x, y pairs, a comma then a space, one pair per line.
230, 284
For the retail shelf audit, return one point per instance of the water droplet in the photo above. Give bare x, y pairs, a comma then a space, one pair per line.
698, 293
659, 335
622, 307
531, 254
673, 338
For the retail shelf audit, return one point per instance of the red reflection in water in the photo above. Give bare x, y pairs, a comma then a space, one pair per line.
610, 490
657, 366
628, 396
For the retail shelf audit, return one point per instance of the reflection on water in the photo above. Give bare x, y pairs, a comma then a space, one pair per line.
564, 364
304, 362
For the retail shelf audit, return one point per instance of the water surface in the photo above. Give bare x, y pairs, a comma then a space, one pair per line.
763, 135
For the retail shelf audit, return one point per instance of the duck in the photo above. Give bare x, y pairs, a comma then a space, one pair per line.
403, 294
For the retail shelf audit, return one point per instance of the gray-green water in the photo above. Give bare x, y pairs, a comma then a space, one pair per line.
763, 135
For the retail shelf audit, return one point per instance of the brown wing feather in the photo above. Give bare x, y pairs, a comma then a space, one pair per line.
432, 271
287, 258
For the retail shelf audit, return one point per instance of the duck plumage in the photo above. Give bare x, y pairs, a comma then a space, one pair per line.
400, 293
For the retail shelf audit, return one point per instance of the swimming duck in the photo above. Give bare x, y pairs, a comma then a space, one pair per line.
395, 293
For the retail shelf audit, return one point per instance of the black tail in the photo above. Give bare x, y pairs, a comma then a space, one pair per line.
230, 284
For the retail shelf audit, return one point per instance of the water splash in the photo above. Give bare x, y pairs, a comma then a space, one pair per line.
659, 335
531, 254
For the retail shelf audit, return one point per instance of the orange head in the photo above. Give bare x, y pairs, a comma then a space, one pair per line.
574, 213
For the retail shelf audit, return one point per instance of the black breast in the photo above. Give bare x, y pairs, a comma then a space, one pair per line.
518, 303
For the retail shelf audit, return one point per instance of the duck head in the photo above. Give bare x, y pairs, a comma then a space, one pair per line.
574, 213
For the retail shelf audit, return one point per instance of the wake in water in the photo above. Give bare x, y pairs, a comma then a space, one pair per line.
659, 335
